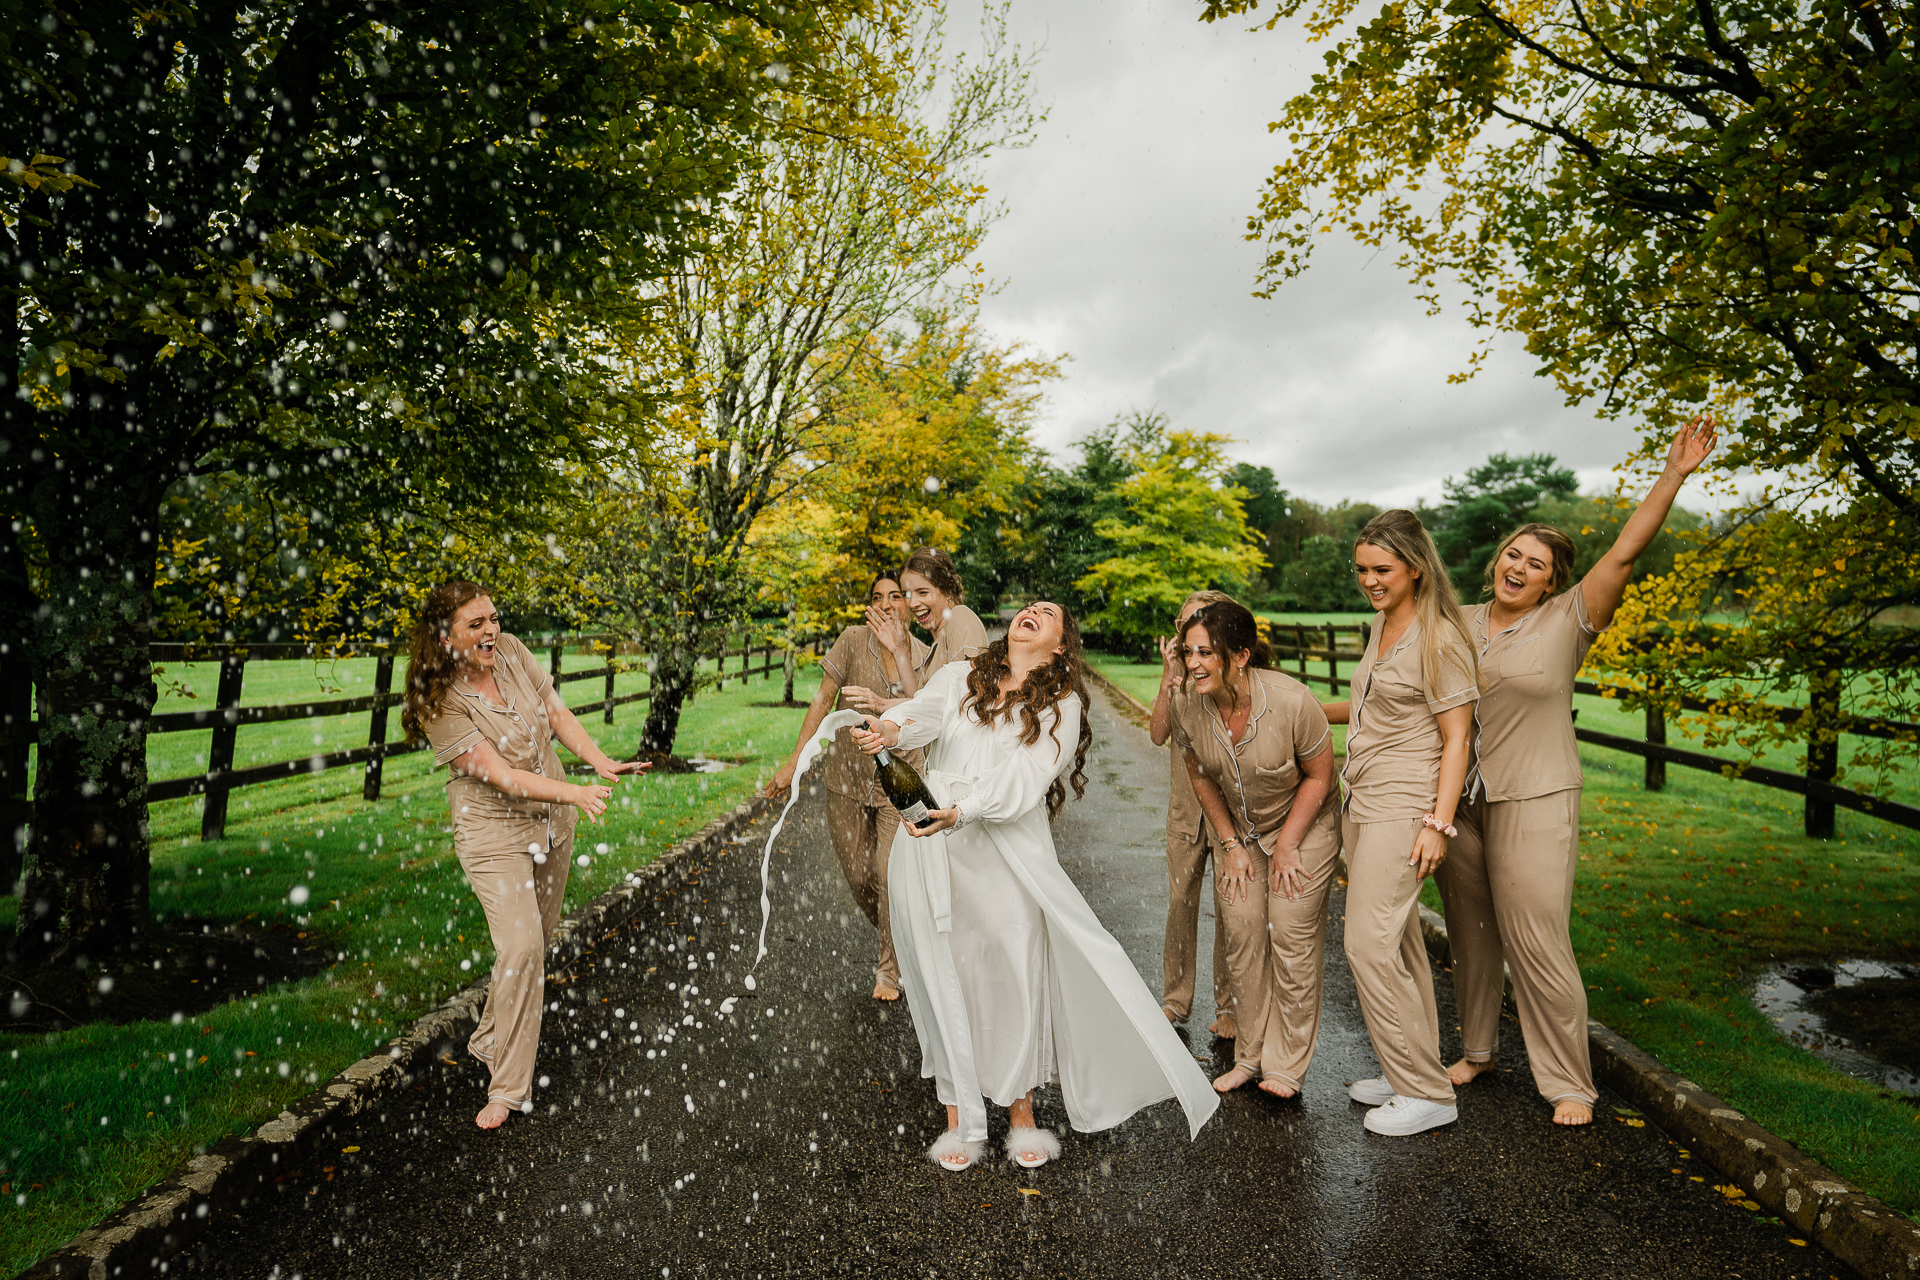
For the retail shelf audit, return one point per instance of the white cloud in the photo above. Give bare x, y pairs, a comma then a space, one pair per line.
1123, 246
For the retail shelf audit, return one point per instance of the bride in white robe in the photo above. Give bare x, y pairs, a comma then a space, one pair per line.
1011, 979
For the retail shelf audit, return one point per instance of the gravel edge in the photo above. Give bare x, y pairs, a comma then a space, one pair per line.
1856, 1228
162, 1220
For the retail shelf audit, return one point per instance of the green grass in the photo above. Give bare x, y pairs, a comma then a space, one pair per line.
1684, 896
93, 1115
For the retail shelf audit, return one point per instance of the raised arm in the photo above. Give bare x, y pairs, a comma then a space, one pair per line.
1173, 674
1606, 582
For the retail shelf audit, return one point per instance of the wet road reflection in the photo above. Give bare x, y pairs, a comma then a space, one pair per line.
689, 1127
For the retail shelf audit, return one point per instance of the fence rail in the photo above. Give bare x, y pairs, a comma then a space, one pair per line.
1291, 645
226, 716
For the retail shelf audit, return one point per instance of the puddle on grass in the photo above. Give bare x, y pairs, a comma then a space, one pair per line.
1859, 1015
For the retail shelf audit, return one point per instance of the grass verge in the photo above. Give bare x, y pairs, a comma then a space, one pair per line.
92, 1115
1684, 896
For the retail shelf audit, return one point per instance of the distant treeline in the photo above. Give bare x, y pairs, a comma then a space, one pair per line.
1309, 547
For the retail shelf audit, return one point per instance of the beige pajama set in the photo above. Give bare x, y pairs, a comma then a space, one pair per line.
1187, 852
1507, 882
1392, 777
515, 852
859, 819
1276, 945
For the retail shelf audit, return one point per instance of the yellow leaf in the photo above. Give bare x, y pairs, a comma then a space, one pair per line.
1028, 1191
349, 1150
1748, 1204
1801, 1243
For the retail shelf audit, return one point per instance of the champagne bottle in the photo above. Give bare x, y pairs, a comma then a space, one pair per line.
904, 787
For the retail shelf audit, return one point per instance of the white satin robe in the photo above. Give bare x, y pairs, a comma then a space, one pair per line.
1010, 977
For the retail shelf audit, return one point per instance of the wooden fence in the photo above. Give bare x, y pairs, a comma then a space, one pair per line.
1297, 644
225, 716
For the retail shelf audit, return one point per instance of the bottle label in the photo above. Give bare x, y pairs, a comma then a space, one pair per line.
916, 813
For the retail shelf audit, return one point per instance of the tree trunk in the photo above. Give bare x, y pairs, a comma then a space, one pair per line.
87, 856
676, 670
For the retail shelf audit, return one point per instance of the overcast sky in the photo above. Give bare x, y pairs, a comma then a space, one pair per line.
1122, 247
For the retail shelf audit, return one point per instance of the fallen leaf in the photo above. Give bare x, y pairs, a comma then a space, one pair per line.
1631, 1124
987, 1205
1028, 1191
1748, 1204
449, 1061
1801, 1243
349, 1150
1625, 1111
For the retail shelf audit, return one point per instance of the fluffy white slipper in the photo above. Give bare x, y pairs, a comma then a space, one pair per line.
953, 1154
1031, 1148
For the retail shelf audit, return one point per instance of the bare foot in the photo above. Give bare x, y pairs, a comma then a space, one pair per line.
884, 990
1572, 1111
493, 1115
1466, 1070
1232, 1080
1222, 1027
1278, 1088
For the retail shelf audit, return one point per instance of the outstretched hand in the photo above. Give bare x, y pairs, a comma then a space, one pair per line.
613, 772
1692, 444
887, 629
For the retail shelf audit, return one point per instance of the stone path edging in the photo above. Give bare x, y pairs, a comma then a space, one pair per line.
1856, 1228
165, 1218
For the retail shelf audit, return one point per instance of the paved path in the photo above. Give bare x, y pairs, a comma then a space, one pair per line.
785, 1138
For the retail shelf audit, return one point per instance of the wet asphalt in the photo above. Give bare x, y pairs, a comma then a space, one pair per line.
784, 1137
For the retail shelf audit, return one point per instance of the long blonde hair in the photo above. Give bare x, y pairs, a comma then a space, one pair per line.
1400, 534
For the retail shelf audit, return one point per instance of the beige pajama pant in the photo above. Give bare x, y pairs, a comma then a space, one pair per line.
1508, 888
1389, 957
862, 839
1276, 956
522, 900
1186, 872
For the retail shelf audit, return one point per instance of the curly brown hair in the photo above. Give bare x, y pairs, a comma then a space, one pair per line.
430, 663
1044, 687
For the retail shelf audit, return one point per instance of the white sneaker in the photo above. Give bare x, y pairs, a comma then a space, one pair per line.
1401, 1116
1371, 1093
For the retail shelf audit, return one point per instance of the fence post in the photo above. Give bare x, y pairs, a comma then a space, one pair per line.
213, 817
746, 657
16, 721
554, 663
1823, 747
377, 726
1333, 664
613, 645
1656, 775
1300, 649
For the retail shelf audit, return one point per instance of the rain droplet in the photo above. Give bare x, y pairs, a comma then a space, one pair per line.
298, 895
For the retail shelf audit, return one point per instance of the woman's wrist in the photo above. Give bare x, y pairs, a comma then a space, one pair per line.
1435, 823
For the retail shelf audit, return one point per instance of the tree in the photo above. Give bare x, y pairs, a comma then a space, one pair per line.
1673, 202
328, 251
1495, 498
1184, 531
1320, 578
931, 441
848, 228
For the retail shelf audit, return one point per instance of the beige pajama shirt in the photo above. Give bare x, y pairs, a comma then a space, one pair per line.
1508, 880
1392, 778
1276, 945
860, 821
516, 854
